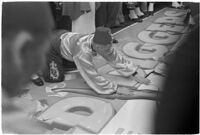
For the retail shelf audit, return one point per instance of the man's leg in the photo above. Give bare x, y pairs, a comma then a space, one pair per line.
112, 12
54, 71
100, 15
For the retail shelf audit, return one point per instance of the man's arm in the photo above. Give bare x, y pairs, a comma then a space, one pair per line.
97, 82
125, 67
76, 46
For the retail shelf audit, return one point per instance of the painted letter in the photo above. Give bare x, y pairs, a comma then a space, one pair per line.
165, 27
155, 37
170, 20
146, 51
84, 112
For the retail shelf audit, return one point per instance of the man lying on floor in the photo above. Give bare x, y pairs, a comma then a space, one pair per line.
81, 49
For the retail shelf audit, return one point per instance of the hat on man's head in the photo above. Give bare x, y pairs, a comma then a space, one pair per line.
102, 36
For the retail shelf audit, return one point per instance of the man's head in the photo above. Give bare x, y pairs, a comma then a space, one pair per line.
26, 28
102, 41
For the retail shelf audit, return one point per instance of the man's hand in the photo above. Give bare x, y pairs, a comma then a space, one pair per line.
140, 79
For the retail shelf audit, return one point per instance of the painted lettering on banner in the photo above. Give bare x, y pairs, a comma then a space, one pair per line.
175, 13
80, 112
146, 51
170, 20
157, 37
166, 27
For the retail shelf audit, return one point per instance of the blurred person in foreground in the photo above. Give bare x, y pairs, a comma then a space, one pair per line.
178, 112
26, 28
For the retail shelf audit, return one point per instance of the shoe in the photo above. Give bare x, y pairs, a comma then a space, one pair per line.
151, 8
115, 41
177, 5
137, 20
138, 12
124, 24
116, 26
146, 14
151, 13
38, 81
142, 16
